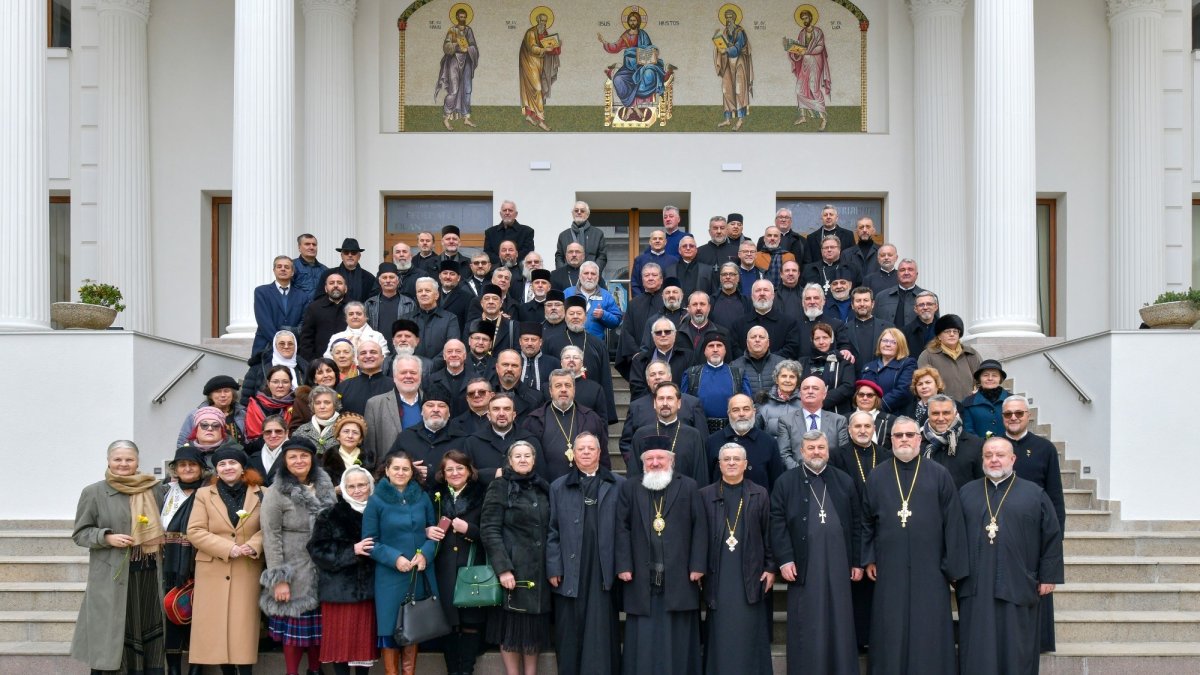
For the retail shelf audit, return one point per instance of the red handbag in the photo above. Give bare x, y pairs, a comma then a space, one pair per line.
177, 603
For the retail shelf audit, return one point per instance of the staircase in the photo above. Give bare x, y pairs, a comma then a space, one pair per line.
1131, 603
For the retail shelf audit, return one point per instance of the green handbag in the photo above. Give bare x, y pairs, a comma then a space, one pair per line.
476, 585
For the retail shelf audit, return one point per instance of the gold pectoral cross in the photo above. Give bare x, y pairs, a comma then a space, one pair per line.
570, 454
992, 528
904, 513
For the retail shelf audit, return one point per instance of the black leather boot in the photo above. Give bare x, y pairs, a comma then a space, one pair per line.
174, 664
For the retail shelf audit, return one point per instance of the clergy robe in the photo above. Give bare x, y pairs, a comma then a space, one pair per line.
1037, 461
662, 625
641, 413
691, 454
998, 601
739, 636
556, 430
633, 327
595, 360
911, 628
858, 463
816, 523
581, 551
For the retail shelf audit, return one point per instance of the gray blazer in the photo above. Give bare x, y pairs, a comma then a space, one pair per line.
564, 544
383, 424
594, 246
437, 328
793, 425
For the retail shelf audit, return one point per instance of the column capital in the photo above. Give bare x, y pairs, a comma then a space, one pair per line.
346, 7
926, 7
1119, 8
137, 8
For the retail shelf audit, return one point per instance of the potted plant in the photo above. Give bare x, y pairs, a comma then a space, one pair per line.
1173, 309
96, 310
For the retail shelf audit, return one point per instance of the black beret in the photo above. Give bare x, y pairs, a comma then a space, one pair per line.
300, 443
387, 268
233, 452
188, 453
220, 382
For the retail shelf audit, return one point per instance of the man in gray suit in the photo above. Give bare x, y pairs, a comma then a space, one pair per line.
437, 326
581, 231
810, 417
389, 414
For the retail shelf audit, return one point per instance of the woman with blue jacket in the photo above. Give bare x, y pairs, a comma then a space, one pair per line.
892, 370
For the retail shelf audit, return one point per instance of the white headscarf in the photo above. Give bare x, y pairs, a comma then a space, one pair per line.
278, 360
354, 503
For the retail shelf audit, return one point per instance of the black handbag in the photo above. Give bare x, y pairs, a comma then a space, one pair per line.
420, 620
477, 585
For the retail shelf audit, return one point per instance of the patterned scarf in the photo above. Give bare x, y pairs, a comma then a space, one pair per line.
146, 528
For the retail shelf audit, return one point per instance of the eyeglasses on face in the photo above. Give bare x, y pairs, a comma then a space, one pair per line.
663, 332
1014, 414
209, 426
272, 432
905, 434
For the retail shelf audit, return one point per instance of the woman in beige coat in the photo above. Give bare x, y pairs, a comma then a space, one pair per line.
955, 361
224, 529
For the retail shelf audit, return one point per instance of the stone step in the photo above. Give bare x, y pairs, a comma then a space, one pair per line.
1092, 626
1077, 498
1129, 569
37, 542
26, 525
37, 626
1132, 543
43, 568
1090, 520
1127, 597
44, 595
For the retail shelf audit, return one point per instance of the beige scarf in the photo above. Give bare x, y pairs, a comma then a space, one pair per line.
146, 529
952, 353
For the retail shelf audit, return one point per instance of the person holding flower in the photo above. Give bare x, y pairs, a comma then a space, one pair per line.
120, 624
289, 598
396, 519
349, 431
179, 558
224, 529
514, 524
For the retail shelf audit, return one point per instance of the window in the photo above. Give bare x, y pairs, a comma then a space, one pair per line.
806, 212
627, 232
406, 217
1047, 252
60, 250
58, 14
221, 233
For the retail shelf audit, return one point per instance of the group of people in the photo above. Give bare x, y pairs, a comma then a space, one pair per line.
834, 435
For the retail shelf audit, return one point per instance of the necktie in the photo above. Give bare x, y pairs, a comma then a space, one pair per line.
284, 291
812, 422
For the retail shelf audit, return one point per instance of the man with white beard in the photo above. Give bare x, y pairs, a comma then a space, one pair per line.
661, 556
603, 312
408, 273
426, 442
1021, 562
765, 464
406, 338
781, 328
839, 296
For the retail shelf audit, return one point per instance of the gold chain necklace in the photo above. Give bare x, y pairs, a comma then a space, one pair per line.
658, 431
993, 527
732, 541
568, 435
858, 461
904, 513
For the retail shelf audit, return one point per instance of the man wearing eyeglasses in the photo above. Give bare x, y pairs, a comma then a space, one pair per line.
582, 232
1037, 461
665, 349
914, 547
359, 282
478, 395
944, 441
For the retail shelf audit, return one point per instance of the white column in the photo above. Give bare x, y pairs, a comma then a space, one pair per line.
329, 168
1006, 268
125, 244
940, 139
264, 126
24, 196
1138, 256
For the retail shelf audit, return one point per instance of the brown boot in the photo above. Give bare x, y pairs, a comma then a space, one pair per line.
408, 660
391, 661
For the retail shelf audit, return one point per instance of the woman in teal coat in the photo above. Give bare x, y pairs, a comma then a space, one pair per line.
395, 519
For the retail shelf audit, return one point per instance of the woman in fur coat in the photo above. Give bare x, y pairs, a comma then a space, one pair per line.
347, 577
300, 492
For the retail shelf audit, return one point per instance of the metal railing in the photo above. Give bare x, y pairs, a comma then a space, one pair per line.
1058, 368
190, 367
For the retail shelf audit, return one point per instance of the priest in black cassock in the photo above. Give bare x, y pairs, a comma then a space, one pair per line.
741, 570
569, 329
686, 443
581, 563
858, 460
816, 530
661, 553
558, 422
1037, 461
914, 547
1016, 555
